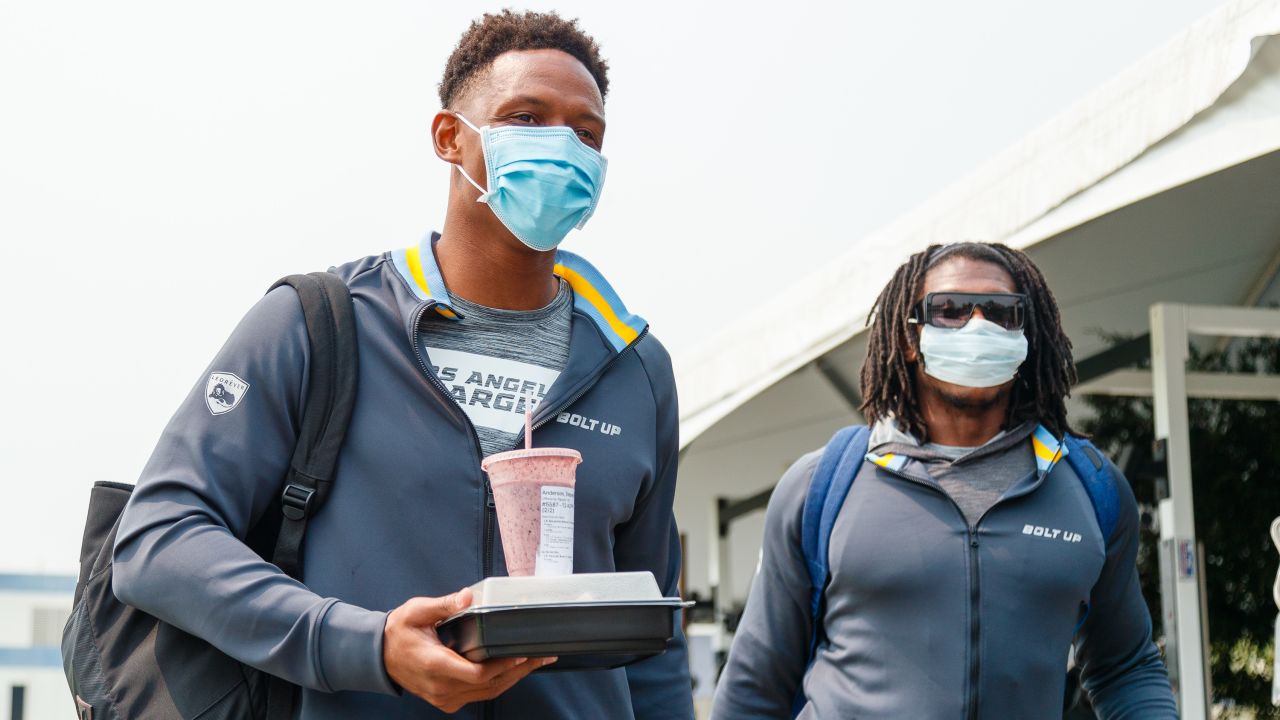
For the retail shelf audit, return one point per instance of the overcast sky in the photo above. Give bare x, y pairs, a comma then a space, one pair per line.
162, 163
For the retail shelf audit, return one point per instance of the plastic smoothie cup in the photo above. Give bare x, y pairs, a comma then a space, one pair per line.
525, 482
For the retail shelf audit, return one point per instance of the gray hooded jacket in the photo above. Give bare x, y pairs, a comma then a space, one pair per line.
408, 515
928, 617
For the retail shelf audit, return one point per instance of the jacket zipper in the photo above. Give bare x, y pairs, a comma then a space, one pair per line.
486, 558
975, 625
486, 561
488, 711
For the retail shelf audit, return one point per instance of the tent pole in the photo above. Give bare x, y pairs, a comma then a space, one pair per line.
1169, 369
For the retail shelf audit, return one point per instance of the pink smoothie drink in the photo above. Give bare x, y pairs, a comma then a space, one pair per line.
518, 478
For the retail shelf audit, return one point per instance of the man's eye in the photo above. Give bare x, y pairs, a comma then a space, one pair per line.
524, 118
587, 136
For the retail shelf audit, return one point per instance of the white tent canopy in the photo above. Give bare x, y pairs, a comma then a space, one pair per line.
1162, 185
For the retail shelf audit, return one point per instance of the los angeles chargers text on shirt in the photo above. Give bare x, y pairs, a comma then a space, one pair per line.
491, 391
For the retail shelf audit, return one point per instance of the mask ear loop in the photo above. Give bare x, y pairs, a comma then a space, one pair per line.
484, 194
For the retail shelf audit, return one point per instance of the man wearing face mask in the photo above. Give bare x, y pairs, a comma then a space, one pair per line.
456, 334
944, 561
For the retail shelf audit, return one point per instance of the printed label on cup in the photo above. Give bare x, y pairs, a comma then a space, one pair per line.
555, 547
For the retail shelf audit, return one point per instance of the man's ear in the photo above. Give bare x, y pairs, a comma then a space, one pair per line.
911, 344
444, 137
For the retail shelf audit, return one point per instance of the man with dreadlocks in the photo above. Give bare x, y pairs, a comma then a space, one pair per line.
944, 563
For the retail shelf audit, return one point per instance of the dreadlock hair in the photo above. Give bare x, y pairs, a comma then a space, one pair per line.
497, 33
1043, 381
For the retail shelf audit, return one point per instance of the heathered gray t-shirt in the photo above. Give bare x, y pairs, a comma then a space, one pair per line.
975, 478
491, 360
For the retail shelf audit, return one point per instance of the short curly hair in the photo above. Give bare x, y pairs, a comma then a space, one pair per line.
495, 34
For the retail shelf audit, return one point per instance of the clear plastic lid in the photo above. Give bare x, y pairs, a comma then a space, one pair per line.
586, 587
530, 453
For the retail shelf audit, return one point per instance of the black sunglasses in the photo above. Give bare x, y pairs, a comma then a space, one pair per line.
953, 309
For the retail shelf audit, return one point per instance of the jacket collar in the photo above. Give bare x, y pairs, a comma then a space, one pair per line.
592, 294
1048, 449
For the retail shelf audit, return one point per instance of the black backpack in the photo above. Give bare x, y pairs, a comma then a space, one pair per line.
123, 664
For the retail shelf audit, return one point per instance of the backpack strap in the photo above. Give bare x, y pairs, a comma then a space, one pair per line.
831, 481
1099, 483
841, 460
331, 393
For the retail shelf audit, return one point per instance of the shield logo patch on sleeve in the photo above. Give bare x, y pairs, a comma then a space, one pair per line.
223, 392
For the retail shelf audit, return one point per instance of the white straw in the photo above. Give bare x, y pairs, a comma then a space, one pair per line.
528, 422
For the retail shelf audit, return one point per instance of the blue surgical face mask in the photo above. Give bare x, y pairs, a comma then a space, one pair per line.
543, 181
980, 354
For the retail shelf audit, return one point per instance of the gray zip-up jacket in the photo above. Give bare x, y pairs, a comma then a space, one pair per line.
927, 617
408, 515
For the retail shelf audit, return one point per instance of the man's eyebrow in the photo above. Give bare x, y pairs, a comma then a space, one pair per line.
588, 115
525, 100
536, 101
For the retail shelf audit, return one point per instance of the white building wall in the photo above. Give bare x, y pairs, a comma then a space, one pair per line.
47, 696
18, 611
33, 611
800, 411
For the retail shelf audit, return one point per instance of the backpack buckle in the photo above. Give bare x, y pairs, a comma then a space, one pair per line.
296, 501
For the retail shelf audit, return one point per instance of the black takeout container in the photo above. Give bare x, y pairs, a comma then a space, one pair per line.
583, 635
